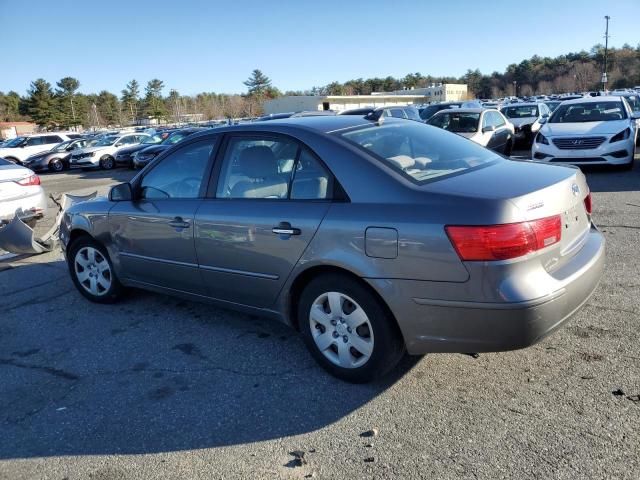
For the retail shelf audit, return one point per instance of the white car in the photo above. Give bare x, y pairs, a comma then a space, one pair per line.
487, 127
20, 191
103, 153
20, 148
588, 131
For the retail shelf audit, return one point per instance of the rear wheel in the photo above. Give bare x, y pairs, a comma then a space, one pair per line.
107, 162
92, 271
56, 165
347, 330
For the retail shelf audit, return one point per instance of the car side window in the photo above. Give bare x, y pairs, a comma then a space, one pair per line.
486, 120
179, 175
33, 141
52, 139
310, 178
256, 167
499, 120
397, 113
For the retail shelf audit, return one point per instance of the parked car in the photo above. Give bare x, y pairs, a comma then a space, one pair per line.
633, 99
144, 156
430, 110
125, 155
20, 191
18, 149
102, 154
407, 112
56, 159
486, 127
588, 131
526, 119
372, 238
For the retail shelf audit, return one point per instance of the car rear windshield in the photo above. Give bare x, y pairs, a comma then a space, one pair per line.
420, 152
15, 142
522, 111
589, 112
463, 122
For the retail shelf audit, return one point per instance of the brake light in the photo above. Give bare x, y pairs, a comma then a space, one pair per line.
502, 242
29, 181
588, 205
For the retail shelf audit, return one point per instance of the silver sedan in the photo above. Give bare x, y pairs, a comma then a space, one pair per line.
372, 238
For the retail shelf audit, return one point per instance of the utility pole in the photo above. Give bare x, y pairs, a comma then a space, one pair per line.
606, 48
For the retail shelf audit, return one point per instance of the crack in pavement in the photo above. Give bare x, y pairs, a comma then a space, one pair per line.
35, 301
619, 226
19, 290
56, 372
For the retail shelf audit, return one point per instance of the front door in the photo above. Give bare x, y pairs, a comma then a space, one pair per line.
154, 234
271, 196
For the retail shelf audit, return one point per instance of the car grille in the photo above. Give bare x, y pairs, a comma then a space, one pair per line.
578, 159
578, 143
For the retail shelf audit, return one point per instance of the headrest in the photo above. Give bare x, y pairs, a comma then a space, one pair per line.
258, 162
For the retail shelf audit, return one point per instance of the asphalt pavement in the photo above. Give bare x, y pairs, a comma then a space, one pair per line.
157, 387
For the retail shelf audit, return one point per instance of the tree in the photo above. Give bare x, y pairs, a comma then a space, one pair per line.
153, 103
257, 83
131, 98
41, 104
108, 107
65, 93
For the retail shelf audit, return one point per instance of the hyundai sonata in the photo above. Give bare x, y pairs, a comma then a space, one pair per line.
371, 238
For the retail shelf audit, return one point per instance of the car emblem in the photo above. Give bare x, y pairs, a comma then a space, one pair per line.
577, 142
575, 189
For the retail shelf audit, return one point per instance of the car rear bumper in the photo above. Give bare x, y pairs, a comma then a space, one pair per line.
32, 206
430, 325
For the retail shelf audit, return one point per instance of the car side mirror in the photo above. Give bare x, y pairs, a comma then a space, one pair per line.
489, 128
635, 115
121, 193
543, 120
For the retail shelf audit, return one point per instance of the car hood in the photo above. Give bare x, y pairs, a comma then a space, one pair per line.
38, 156
584, 128
519, 122
133, 149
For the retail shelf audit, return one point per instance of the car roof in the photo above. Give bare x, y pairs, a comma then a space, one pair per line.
464, 110
523, 104
604, 98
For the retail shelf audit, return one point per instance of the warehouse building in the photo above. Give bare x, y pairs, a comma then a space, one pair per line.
299, 103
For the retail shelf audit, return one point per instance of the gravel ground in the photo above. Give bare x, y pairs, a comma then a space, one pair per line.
157, 387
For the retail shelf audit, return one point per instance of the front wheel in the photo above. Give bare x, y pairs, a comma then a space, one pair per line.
92, 271
56, 165
347, 329
107, 162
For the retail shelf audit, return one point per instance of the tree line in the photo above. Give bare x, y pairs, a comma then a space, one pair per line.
64, 107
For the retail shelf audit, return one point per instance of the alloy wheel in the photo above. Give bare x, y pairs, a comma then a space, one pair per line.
341, 330
93, 271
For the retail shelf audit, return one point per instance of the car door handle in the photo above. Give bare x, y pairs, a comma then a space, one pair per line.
285, 228
178, 222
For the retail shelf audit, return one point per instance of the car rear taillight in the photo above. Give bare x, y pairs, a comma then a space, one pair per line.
502, 242
588, 205
29, 181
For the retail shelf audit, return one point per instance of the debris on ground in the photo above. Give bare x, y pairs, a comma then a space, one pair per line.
369, 433
298, 459
370, 459
618, 393
634, 398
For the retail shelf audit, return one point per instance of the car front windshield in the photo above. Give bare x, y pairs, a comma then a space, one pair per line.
174, 138
62, 147
106, 141
520, 111
606, 111
418, 151
152, 140
16, 142
412, 114
552, 105
458, 122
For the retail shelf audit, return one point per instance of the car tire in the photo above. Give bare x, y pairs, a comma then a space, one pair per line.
92, 271
56, 165
107, 162
355, 349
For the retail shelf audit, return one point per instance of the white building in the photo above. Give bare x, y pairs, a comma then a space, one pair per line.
298, 103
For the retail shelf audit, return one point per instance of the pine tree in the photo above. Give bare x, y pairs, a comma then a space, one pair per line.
153, 102
257, 83
41, 103
131, 98
65, 94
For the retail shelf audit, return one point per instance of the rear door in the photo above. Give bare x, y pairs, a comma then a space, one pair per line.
154, 234
271, 194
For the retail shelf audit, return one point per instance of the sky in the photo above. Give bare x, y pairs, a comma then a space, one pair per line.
213, 46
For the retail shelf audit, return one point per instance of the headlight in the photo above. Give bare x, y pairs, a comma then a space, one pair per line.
91, 154
623, 135
540, 138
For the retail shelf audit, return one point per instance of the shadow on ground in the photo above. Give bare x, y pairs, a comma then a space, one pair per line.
151, 374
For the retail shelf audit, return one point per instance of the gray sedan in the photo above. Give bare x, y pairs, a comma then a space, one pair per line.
371, 238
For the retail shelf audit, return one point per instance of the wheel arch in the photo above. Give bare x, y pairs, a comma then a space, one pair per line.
304, 277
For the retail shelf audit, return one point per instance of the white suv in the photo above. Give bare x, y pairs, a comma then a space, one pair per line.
103, 153
20, 148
